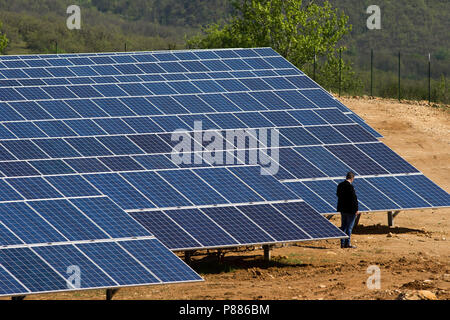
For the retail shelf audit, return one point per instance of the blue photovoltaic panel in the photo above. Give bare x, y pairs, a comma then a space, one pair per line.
34, 188
71, 222
17, 169
63, 256
310, 197
355, 133
112, 259
398, 192
160, 261
156, 189
324, 160
299, 136
425, 188
73, 186
307, 117
51, 167
387, 158
120, 191
88, 147
123, 163
238, 225
8, 193
157, 161
9, 285
27, 225
201, 227
165, 229
7, 237
359, 162
192, 187
108, 216
87, 165
328, 135
371, 197
265, 185
309, 220
228, 185
31, 270
271, 220
24, 149
297, 165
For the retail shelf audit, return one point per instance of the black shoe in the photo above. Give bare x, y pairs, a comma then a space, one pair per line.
351, 247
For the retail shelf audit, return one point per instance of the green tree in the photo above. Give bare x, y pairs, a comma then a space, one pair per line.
3, 40
292, 28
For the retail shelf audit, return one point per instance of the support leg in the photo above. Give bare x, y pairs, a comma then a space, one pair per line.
266, 249
390, 216
110, 293
357, 220
187, 257
17, 298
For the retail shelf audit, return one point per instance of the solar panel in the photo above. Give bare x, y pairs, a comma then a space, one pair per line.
90, 135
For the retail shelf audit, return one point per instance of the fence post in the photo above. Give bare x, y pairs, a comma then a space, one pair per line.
429, 78
125, 47
56, 47
340, 70
399, 76
371, 73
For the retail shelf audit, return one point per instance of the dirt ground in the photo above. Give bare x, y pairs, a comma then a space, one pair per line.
412, 256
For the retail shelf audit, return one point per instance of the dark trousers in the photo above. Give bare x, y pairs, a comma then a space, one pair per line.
347, 223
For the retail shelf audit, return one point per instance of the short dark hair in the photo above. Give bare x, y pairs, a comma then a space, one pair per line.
350, 175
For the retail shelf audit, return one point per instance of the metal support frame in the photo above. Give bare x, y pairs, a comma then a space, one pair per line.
391, 215
110, 293
188, 256
266, 249
18, 298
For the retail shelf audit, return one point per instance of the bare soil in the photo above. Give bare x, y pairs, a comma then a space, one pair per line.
414, 255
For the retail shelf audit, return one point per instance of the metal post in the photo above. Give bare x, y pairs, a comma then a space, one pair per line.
391, 216
340, 70
390, 219
266, 249
110, 293
399, 76
56, 47
429, 78
125, 47
371, 73
187, 257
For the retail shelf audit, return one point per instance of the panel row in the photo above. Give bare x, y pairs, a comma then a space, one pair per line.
141, 190
334, 137
51, 268
49, 221
208, 121
375, 194
139, 56
237, 225
288, 163
112, 68
148, 78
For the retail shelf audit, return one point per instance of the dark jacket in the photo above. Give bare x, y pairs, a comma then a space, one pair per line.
347, 200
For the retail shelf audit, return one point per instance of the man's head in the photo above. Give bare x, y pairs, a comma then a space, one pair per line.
350, 177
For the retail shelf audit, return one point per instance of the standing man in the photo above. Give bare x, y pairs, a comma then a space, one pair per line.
348, 207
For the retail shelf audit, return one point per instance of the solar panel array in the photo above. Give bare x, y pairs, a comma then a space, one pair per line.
100, 126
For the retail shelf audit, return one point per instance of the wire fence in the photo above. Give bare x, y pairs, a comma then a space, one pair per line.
404, 76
